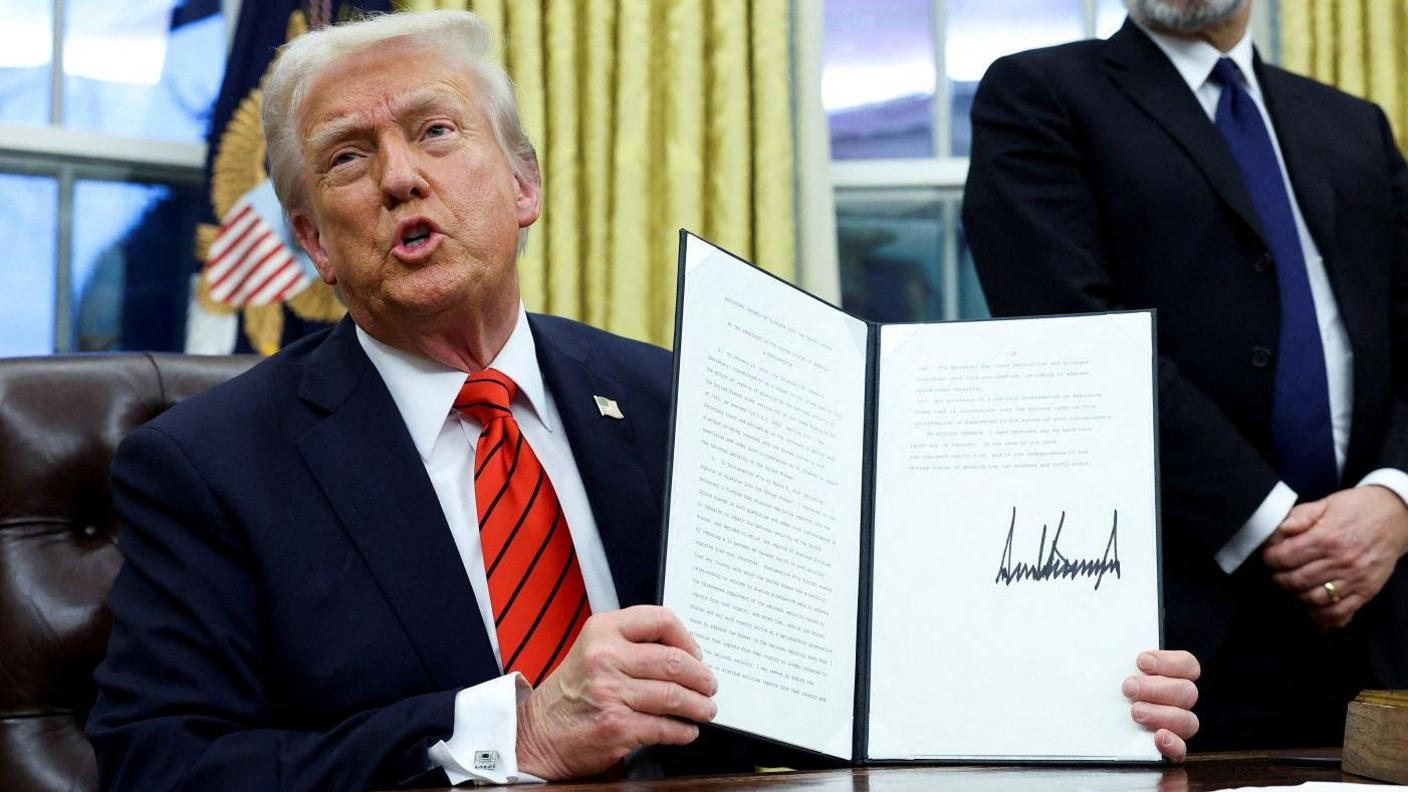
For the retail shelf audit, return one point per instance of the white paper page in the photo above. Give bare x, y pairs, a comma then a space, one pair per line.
763, 549
985, 643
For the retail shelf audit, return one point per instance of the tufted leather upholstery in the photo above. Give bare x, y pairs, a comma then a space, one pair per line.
61, 419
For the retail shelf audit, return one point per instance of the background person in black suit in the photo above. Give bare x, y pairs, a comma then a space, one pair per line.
1265, 217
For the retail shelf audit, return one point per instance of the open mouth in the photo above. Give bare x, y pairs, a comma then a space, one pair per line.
416, 236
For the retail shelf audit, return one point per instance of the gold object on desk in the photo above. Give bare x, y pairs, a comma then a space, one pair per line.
1376, 735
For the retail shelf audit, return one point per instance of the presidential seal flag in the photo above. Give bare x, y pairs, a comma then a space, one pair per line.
255, 289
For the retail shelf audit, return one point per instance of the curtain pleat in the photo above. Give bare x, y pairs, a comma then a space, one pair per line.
1323, 38
1387, 40
649, 116
596, 81
686, 156
632, 225
1296, 22
728, 208
774, 179
562, 160
494, 12
1360, 46
523, 57
1349, 46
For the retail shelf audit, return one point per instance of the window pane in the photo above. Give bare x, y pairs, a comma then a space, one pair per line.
26, 61
877, 78
978, 32
1109, 16
891, 253
143, 68
132, 264
28, 231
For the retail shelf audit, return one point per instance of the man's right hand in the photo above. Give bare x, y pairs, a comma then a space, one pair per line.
1352, 538
634, 677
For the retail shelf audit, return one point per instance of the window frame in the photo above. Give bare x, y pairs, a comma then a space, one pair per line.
70, 155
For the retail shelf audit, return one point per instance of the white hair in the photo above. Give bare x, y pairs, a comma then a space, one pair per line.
460, 35
1187, 16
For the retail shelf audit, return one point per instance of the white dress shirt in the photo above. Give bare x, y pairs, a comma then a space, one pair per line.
483, 745
1194, 59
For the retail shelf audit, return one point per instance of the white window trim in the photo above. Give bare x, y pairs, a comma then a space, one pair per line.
946, 172
818, 267
67, 144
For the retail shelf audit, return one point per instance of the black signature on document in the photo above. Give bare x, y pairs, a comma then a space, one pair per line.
1052, 564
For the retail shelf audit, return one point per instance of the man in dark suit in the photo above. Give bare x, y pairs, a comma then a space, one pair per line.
1265, 217
421, 546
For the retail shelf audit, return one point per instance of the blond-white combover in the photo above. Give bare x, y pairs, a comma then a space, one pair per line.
459, 35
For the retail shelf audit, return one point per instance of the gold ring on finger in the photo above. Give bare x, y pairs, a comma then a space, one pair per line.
1332, 590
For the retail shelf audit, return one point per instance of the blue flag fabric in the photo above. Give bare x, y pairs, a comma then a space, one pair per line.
260, 31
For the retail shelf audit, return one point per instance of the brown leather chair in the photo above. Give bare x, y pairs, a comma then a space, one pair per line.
61, 419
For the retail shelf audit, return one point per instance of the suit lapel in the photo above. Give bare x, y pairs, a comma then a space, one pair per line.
366, 464
1144, 74
627, 509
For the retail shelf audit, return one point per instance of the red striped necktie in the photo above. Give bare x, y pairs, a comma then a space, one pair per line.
536, 592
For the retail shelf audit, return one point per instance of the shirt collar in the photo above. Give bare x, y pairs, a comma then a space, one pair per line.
1195, 58
424, 390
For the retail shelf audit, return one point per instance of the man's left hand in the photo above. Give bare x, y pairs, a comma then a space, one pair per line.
1162, 699
1351, 539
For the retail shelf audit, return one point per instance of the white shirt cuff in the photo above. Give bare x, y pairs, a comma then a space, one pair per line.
1391, 479
1258, 528
483, 748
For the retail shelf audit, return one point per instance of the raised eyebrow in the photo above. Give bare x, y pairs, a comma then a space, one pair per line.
424, 103
418, 104
333, 132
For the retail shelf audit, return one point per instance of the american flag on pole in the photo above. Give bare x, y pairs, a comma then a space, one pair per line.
250, 260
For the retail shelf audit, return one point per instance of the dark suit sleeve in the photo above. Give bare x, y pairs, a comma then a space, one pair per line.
1388, 612
182, 700
1033, 222
1394, 452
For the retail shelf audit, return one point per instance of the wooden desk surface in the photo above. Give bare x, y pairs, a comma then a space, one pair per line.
1202, 773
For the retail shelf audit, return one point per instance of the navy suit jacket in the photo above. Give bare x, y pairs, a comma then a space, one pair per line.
293, 613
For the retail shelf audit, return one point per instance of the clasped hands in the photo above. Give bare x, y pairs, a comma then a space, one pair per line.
1350, 539
635, 677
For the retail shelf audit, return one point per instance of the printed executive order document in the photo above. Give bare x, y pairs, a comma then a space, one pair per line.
912, 542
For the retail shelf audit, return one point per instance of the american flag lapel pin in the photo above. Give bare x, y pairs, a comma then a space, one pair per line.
608, 408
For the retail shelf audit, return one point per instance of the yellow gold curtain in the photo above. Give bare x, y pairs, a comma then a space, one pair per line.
649, 116
1360, 46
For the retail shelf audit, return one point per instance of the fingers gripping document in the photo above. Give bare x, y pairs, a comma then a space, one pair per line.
912, 542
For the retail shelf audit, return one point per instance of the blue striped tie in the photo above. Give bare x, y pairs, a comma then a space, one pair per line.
1302, 440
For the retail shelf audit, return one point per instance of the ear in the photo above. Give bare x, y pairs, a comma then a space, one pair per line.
306, 231
527, 202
